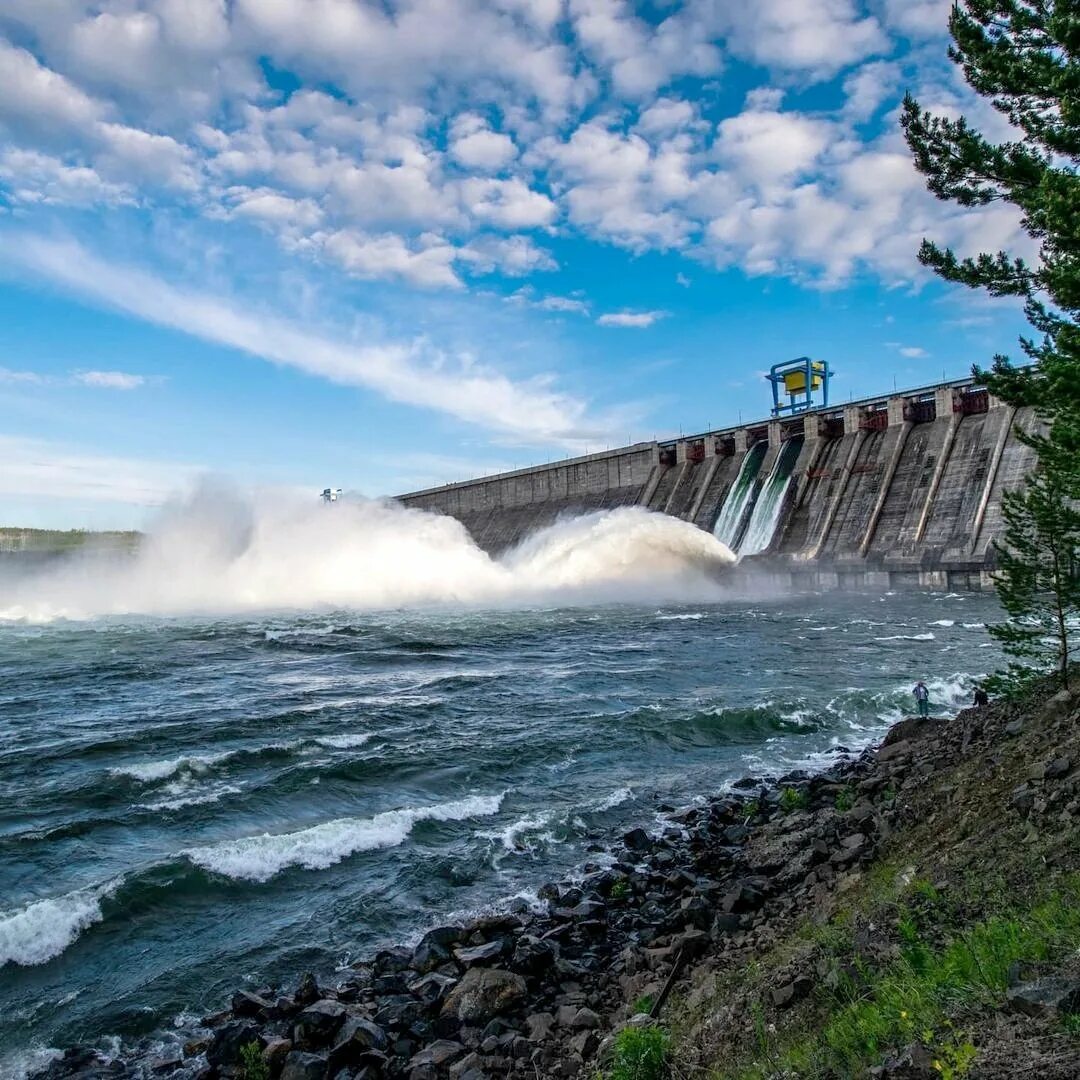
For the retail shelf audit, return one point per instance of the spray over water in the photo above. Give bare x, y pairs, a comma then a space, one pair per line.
220, 553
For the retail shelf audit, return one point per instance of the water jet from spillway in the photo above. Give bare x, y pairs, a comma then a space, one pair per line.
218, 554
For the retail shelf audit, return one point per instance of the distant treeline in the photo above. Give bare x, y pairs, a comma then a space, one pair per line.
16, 539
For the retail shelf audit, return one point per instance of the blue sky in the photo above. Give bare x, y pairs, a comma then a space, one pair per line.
387, 245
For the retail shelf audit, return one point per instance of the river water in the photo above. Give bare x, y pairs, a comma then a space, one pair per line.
276, 740
192, 804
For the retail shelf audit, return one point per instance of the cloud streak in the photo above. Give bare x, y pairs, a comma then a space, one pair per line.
412, 374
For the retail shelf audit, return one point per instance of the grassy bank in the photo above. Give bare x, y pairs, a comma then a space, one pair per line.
904, 966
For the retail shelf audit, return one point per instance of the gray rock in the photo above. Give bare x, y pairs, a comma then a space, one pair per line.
787, 995
584, 1020
248, 1004
439, 1053
1056, 769
914, 1062
225, 1047
637, 840
301, 1066
1049, 996
539, 1026
484, 993
479, 955
318, 1023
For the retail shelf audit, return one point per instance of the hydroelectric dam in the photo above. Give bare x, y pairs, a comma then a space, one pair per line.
900, 489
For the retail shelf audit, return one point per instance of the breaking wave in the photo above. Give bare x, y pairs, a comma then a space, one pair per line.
43, 929
259, 858
217, 553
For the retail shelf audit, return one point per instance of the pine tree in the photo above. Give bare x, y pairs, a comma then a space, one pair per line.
1038, 578
1024, 56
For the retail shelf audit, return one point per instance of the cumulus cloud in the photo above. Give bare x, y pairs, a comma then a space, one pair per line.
432, 141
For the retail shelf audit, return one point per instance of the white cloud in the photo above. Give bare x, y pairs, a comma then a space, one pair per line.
817, 38
476, 146
919, 18
35, 177
563, 303
389, 255
110, 380
413, 374
637, 319
39, 99
510, 204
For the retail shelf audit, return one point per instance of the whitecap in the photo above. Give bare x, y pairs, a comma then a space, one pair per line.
180, 796
928, 636
680, 618
43, 929
259, 858
151, 771
343, 742
616, 798
943, 622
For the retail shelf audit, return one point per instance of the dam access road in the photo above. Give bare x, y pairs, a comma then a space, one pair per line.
903, 489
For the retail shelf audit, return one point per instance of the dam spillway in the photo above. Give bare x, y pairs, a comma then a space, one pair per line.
901, 489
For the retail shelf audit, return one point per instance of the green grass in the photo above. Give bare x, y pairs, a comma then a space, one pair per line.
641, 1053
916, 997
793, 799
252, 1064
643, 1004
620, 890
845, 799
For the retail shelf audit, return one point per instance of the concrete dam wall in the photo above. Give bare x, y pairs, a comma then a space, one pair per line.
900, 489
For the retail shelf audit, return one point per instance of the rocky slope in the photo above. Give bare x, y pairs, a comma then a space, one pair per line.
777, 930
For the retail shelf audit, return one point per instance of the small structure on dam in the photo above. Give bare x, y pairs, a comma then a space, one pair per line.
905, 488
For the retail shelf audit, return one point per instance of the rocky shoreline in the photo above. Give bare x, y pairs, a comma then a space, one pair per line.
540, 993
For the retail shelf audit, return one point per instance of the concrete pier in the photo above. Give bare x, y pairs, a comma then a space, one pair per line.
905, 488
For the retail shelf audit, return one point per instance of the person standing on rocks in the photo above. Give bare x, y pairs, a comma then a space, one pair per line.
981, 699
922, 698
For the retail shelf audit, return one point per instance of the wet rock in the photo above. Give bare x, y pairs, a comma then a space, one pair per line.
637, 840
251, 1005
228, 1041
302, 1066
274, 1054
484, 993
432, 987
318, 1023
479, 955
429, 955
308, 992
533, 956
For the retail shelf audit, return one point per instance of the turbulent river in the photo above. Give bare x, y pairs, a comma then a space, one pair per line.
195, 801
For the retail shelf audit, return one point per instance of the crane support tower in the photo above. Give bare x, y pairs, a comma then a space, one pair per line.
798, 380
